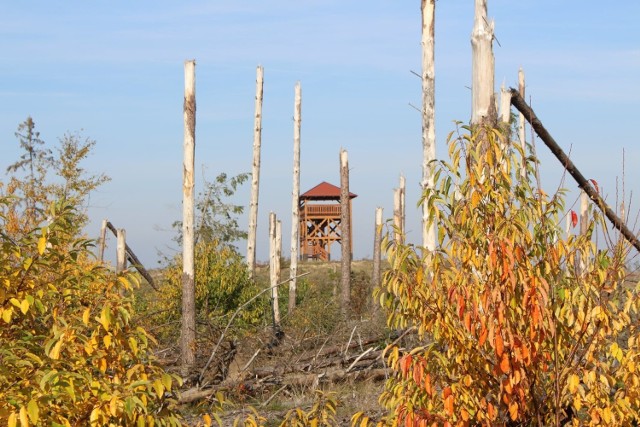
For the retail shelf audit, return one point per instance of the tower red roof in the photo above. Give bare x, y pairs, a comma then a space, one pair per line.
324, 191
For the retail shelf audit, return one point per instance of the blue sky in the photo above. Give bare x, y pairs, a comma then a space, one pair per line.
115, 71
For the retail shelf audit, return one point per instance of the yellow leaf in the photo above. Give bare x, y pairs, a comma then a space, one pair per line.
107, 341
573, 383
113, 406
33, 411
166, 381
6, 314
55, 351
24, 306
133, 345
577, 403
475, 199
42, 244
13, 420
85, 316
606, 414
159, 388
95, 414
105, 318
24, 417
207, 420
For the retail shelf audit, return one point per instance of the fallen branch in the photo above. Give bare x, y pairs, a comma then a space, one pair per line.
213, 353
358, 358
266, 402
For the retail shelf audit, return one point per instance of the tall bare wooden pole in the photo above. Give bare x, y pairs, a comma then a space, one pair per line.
345, 232
428, 8
377, 251
505, 105
397, 216
295, 198
584, 212
482, 81
278, 250
403, 206
103, 239
188, 331
255, 175
274, 269
121, 251
522, 123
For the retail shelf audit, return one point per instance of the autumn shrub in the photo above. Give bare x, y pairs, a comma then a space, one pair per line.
222, 287
317, 312
69, 352
321, 414
520, 323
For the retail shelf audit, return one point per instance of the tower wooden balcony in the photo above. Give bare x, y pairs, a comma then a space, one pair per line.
320, 221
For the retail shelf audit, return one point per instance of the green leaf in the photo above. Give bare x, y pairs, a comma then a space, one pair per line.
46, 379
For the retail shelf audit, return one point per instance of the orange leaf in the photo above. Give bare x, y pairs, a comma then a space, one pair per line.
506, 384
498, 344
467, 321
427, 385
504, 364
491, 411
464, 414
461, 305
448, 404
418, 372
405, 364
493, 257
513, 411
467, 380
446, 392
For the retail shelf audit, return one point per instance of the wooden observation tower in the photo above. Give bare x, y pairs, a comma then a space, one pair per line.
320, 223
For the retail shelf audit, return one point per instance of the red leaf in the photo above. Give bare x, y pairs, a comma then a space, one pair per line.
595, 184
574, 218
